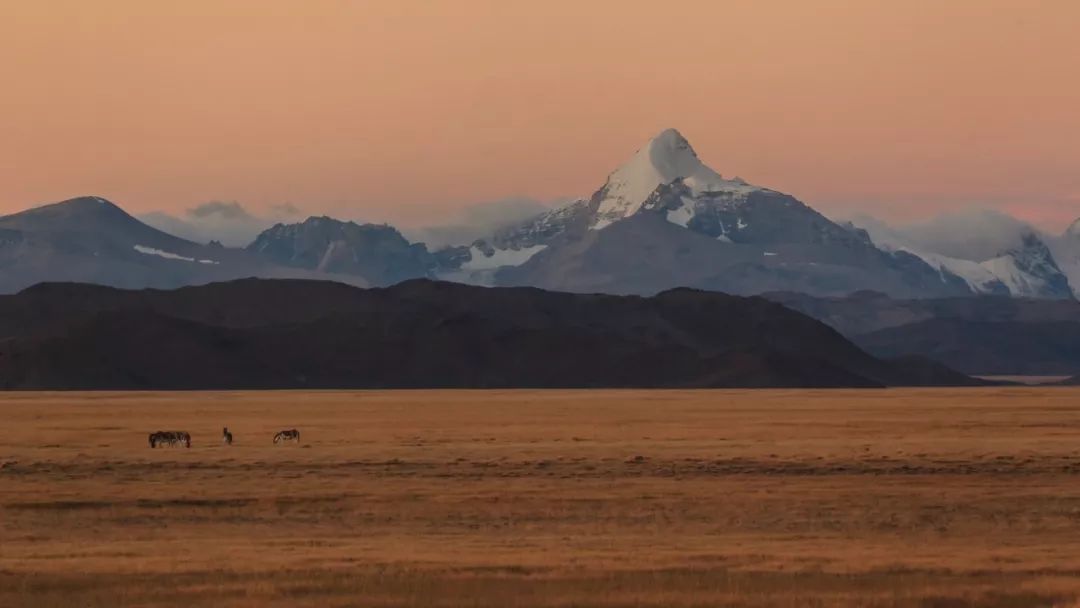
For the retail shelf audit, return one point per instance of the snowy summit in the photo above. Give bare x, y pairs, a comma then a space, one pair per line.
666, 158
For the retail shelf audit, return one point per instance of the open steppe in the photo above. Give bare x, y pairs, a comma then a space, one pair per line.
878, 498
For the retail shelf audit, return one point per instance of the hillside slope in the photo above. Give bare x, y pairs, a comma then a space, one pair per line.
296, 334
986, 335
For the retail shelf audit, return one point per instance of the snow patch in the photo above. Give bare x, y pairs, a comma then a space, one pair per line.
769, 254
169, 256
1019, 282
481, 269
682, 215
500, 258
978, 277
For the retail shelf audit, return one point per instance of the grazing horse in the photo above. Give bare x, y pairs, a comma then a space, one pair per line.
171, 438
289, 435
226, 436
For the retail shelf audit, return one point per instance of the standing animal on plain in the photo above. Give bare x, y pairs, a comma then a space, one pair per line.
288, 435
170, 438
226, 436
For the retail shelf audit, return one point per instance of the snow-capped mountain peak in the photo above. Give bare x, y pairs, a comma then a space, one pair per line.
1031, 271
731, 236
666, 158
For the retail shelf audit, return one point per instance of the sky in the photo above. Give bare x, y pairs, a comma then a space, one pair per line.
408, 111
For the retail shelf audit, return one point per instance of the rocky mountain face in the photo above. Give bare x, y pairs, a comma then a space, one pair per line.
91, 240
422, 334
665, 219
378, 253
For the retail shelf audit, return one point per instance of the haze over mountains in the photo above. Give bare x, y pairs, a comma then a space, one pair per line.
226, 222
662, 220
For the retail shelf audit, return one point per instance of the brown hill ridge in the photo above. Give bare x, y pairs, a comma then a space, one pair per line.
251, 334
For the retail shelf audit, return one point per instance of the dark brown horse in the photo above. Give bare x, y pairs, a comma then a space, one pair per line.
170, 438
289, 435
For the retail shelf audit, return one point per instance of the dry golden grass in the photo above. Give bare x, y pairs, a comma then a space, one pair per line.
942, 498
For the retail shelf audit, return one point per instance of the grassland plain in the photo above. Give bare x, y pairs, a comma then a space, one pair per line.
891, 498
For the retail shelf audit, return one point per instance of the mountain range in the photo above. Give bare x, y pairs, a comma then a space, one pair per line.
661, 220
420, 333
91, 240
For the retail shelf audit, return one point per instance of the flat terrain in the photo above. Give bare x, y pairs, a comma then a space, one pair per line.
936, 498
1028, 380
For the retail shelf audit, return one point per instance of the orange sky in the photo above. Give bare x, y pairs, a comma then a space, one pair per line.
400, 110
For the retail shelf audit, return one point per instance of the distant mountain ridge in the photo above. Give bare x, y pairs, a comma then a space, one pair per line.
976, 335
664, 220
378, 253
422, 334
661, 220
1027, 270
90, 239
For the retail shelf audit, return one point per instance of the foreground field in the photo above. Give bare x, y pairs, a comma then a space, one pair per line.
942, 498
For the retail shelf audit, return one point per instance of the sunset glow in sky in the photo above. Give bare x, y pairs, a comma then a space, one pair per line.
406, 111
